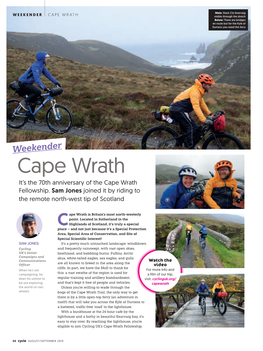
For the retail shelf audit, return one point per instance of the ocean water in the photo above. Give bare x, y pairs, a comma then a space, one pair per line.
173, 55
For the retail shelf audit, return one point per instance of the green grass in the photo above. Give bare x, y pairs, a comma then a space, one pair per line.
228, 257
179, 247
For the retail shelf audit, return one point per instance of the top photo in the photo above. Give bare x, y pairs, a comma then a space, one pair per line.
133, 77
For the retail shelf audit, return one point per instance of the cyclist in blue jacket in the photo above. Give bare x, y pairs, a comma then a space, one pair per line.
178, 195
203, 231
31, 76
202, 287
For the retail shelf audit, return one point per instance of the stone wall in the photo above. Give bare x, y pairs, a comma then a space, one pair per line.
173, 237
219, 236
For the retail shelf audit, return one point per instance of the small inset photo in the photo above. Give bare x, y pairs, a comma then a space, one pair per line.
29, 225
203, 301
198, 182
202, 241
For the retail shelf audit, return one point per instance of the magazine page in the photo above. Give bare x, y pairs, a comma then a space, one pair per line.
130, 147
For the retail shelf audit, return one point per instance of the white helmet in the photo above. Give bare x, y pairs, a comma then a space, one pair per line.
187, 170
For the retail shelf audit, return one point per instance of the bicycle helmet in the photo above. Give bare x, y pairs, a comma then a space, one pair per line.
202, 280
223, 163
206, 78
187, 170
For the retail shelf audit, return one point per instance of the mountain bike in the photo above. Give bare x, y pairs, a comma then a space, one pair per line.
164, 137
219, 301
58, 117
203, 301
202, 241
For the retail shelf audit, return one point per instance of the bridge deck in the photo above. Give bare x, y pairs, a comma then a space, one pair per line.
192, 316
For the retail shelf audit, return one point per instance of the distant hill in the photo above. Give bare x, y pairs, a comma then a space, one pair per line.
168, 173
88, 51
214, 48
232, 64
223, 218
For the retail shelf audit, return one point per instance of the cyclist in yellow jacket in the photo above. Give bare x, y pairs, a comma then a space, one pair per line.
188, 231
221, 190
219, 285
192, 100
189, 227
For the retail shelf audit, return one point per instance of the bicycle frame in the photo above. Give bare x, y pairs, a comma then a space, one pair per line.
33, 113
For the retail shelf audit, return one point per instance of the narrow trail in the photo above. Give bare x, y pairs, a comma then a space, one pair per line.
194, 256
85, 133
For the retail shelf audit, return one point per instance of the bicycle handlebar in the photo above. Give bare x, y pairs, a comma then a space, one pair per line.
217, 114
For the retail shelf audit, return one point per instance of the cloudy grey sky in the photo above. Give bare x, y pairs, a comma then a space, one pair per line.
203, 164
129, 25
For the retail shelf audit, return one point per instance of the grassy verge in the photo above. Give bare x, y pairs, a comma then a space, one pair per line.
72, 142
229, 258
179, 247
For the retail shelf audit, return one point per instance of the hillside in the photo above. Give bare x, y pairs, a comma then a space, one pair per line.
168, 173
88, 51
214, 48
232, 64
107, 99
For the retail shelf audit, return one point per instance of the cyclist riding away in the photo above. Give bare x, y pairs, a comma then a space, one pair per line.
189, 100
202, 287
217, 288
222, 188
189, 229
203, 231
178, 195
31, 76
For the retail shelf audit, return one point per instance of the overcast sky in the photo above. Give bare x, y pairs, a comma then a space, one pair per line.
119, 25
203, 164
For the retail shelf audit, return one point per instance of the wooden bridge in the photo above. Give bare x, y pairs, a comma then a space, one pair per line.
189, 314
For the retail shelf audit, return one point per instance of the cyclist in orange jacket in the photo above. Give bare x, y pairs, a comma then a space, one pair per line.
222, 188
216, 288
192, 100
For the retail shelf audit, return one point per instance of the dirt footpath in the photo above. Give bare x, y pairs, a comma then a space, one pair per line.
194, 256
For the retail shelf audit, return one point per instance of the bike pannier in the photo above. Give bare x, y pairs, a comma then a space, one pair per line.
222, 294
56, 91
157, 115
220, 123
165, 109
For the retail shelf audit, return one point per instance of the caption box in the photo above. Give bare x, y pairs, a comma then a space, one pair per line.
228, 19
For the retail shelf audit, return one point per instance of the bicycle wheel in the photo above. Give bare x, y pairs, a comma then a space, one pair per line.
160, 137
15, 117
203, 307
214, 303
203, 244
222, 141
222, 307
61, 122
